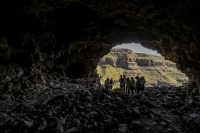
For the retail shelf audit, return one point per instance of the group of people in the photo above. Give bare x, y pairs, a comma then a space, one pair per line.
109, 83
128, 84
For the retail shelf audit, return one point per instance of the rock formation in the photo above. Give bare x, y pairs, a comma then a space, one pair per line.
126, 59
28, 104
65, 34
39, 38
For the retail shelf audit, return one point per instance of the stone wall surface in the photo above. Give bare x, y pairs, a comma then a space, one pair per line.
42, 35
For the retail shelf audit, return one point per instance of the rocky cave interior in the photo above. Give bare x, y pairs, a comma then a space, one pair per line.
70, 36
75, 70
51, 35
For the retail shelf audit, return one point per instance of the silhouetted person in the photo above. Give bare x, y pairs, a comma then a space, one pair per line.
142, 80
124, 76
128, 81
107, 83
99, 82
132, 85
111, 84
122, 82
138, 84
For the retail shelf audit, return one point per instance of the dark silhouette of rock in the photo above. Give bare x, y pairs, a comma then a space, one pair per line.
60, 106
39, 40
55, 35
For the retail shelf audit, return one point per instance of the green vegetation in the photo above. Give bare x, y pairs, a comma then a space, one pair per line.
109, 55
157, 75
153, 75
132, 55
107, 71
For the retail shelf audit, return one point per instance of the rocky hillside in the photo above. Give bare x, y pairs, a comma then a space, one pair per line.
156, 70
126, 59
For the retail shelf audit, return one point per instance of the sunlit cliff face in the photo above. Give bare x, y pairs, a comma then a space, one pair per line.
66, 35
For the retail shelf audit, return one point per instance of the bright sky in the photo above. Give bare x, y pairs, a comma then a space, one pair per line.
137, 48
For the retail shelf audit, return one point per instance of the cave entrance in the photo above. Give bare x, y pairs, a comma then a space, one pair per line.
75, 70
135, 60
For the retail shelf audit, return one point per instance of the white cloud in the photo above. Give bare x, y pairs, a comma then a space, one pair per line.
137, 48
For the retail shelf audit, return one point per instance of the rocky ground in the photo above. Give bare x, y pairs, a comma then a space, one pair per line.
51, 103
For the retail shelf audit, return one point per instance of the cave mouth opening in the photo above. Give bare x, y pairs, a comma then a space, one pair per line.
133, 59
75, 70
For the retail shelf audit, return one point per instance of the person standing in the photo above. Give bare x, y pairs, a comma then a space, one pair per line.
132, 85
107, 83
138, 84
122, 82
142, 80
111, 84
127, 85
124, 76
99, 82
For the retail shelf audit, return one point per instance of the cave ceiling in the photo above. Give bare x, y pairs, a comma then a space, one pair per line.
52, 34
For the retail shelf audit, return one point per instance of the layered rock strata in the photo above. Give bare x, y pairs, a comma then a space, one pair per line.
126, 59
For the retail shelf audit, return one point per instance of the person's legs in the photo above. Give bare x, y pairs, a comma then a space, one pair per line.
142, 89
141, 93
134, 89
138, 90
99, 85
124, 87
131, 89
128, 89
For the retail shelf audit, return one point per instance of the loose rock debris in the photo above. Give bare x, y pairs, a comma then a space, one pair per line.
78, 106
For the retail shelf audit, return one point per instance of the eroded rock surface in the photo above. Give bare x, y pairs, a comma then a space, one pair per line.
52, 35
126, 59
28, 104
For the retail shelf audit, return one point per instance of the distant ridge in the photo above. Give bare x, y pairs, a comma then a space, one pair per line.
127, 59
156, 70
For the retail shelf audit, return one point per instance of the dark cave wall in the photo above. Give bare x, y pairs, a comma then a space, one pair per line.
51, 35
